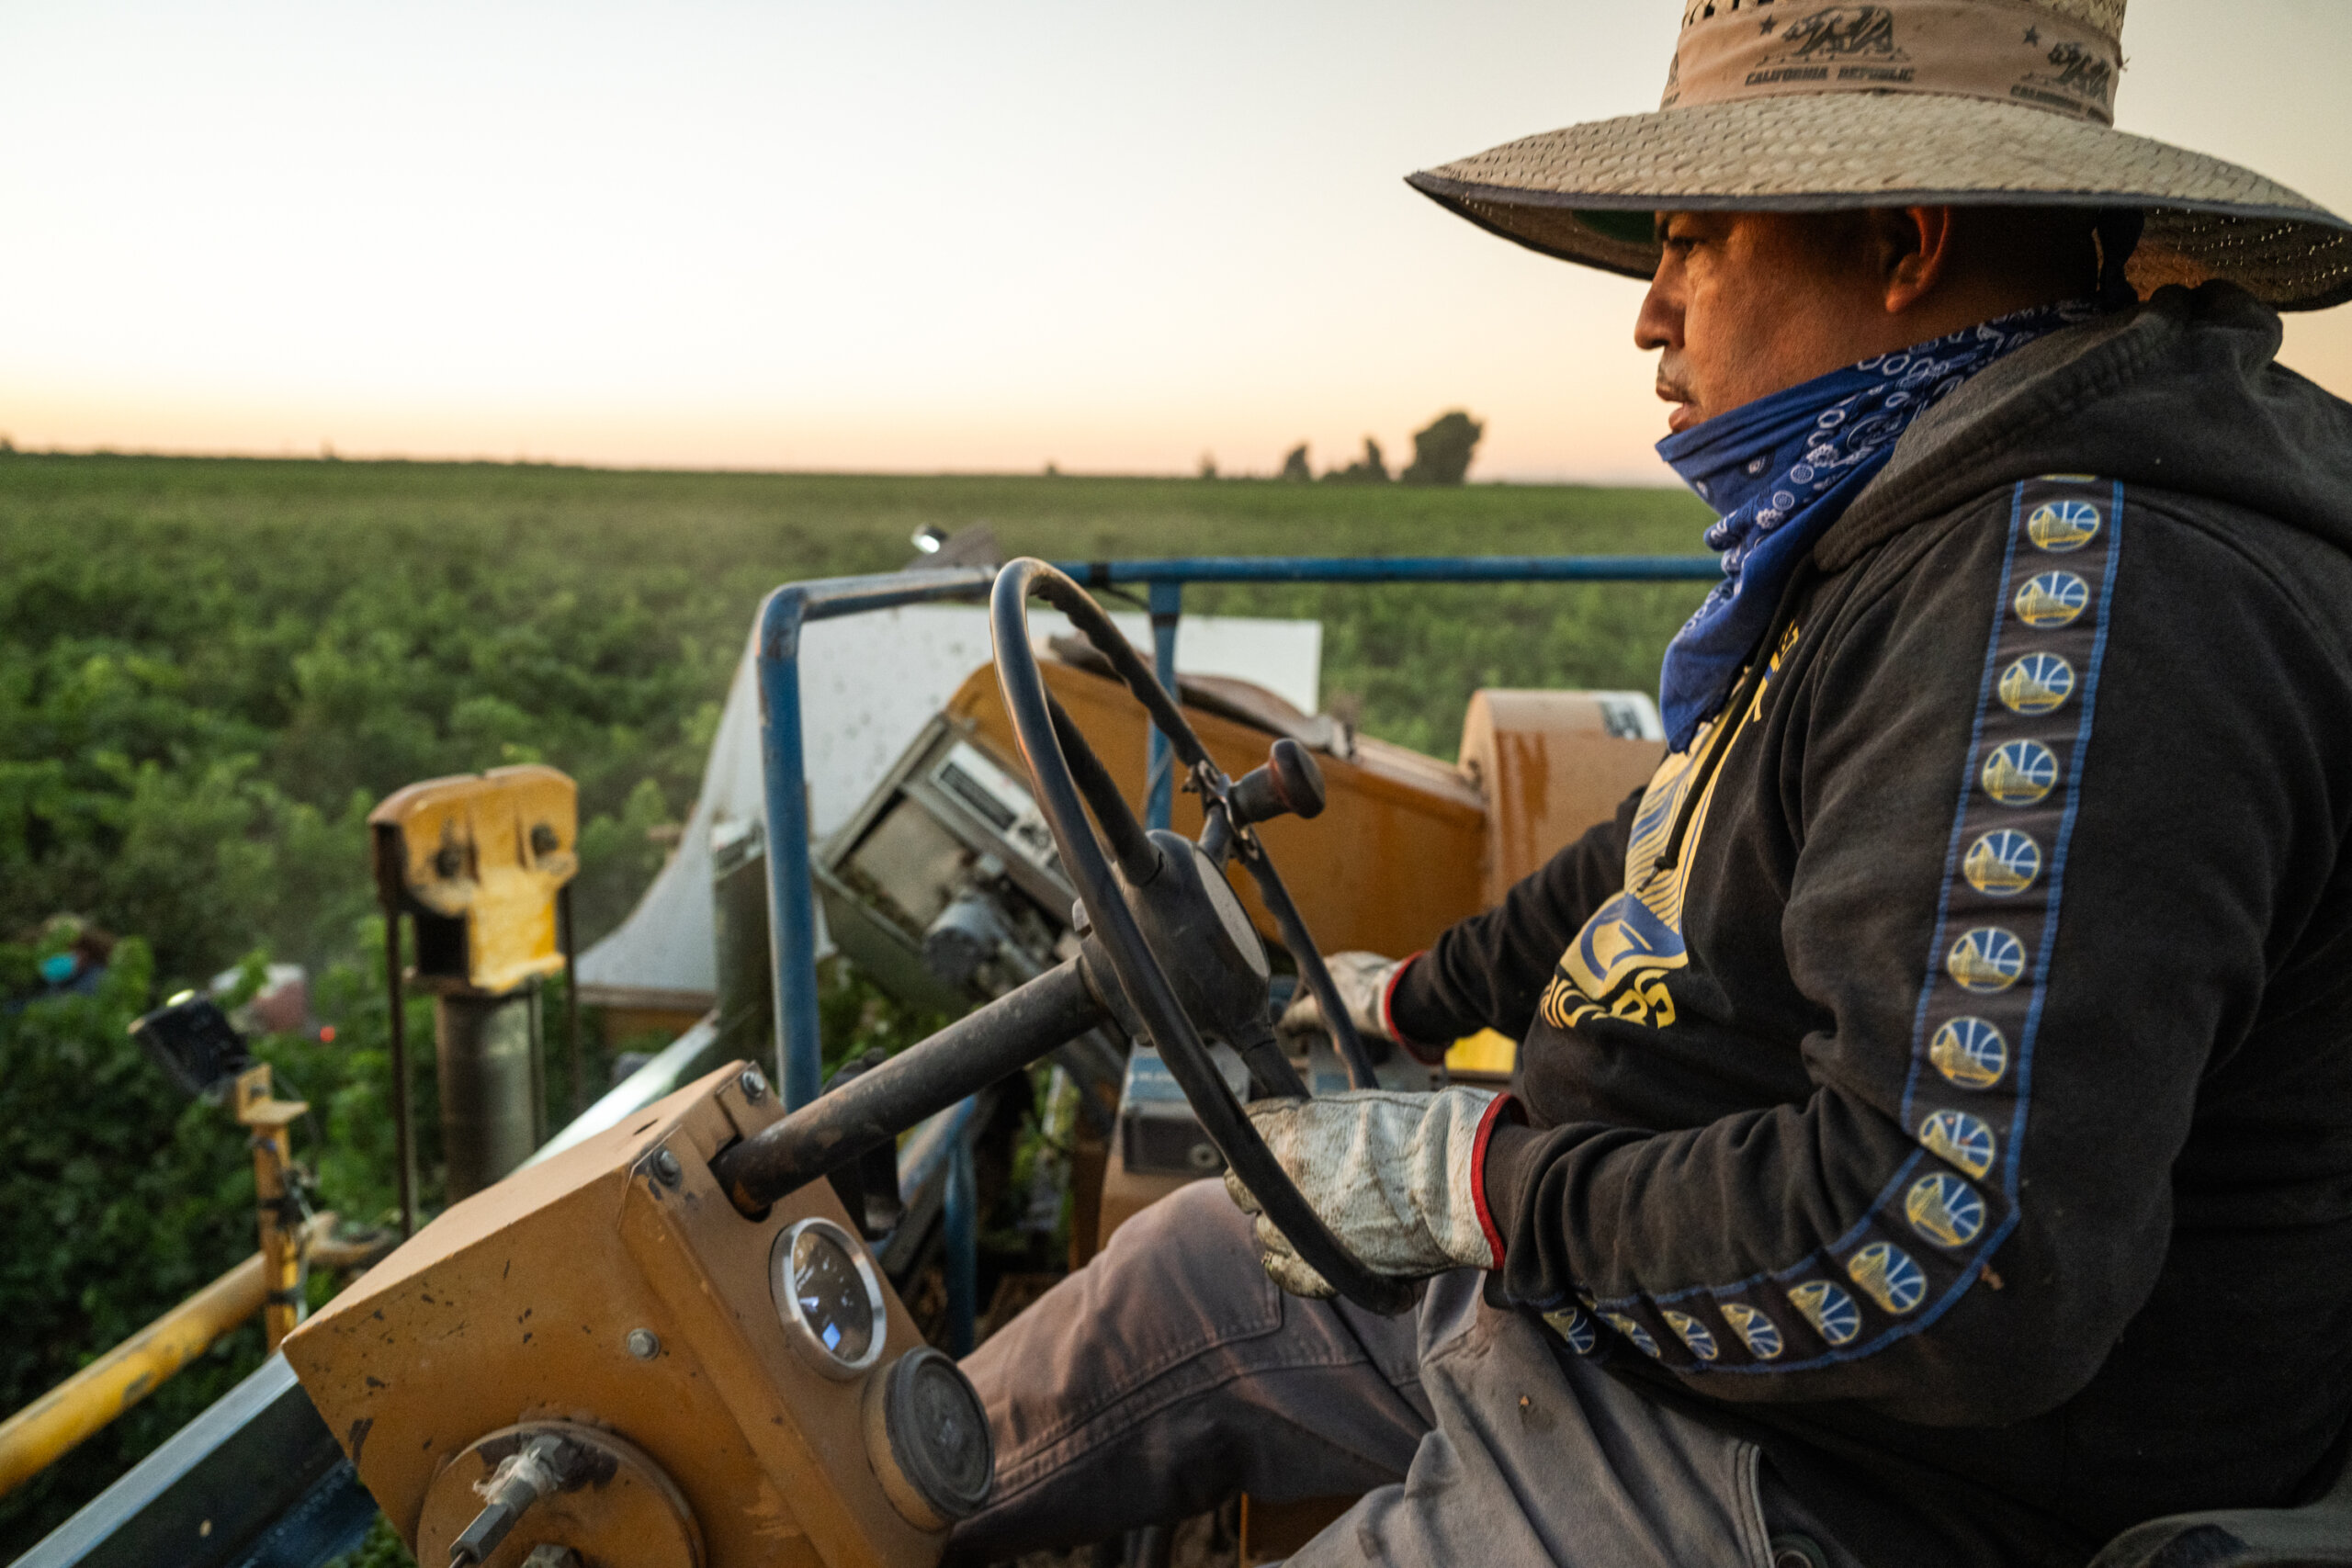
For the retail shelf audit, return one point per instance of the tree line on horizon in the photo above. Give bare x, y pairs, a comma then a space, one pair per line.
1441, 452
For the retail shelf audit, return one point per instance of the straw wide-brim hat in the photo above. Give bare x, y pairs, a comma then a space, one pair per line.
1798, 106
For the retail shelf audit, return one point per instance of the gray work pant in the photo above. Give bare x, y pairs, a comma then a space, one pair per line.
1171, 1373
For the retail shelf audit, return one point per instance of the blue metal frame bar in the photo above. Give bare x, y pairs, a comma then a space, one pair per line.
792, 910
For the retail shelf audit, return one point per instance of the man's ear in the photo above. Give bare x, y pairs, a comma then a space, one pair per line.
1912, 248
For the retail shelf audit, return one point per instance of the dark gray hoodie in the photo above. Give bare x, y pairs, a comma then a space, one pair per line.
1944, 1069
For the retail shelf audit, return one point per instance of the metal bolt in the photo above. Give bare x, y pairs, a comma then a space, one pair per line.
544, 840
644, 1344
448, 862
666, 1166
755, 1087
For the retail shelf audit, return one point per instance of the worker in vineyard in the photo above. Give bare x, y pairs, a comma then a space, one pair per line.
1932, 1142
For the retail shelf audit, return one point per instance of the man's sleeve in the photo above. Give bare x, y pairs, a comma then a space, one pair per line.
1489, 971
2050, 793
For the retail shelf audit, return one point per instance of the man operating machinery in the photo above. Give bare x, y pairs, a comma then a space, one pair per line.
1932, 1142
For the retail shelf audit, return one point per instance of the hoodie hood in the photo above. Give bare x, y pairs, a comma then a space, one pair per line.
2183, 393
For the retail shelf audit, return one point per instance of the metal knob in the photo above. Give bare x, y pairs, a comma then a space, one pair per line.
1290, 781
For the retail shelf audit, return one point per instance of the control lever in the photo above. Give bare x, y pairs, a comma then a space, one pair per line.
1289, 781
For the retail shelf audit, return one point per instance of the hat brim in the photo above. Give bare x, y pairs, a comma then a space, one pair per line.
1559, 192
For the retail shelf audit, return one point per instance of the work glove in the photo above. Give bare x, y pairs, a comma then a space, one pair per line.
1394, 1176
1362, 980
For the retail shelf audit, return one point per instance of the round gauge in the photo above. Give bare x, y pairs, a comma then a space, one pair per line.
829, 1298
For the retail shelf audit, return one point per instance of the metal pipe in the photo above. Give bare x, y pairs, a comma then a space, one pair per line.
870, 1109
572, 999
484, 1044
52, 1426
403, 1114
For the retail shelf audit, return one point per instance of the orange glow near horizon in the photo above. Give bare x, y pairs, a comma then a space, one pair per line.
896, 237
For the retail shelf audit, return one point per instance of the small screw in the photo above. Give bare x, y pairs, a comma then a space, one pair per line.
544, 840
644, 1344
666, 1166
755, 1087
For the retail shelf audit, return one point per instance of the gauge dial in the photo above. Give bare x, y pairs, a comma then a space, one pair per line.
828, 1297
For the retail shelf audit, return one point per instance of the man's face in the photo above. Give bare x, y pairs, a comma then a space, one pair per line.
1746, 303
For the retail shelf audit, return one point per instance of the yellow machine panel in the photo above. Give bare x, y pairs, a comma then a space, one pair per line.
612, 1310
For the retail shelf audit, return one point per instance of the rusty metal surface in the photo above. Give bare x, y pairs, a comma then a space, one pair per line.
518, 1305
1392, 860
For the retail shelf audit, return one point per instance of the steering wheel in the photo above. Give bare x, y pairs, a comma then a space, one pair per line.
1157, 913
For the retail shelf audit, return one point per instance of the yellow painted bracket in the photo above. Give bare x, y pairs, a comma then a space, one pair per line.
487, 852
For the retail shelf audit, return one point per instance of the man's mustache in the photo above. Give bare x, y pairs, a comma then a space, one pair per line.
1673, 386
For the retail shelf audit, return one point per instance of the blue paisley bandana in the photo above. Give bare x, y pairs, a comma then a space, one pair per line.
1780, 469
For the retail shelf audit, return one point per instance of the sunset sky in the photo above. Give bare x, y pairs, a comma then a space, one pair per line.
888, 235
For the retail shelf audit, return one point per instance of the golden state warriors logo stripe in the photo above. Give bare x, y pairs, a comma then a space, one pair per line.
1692, 1333
2021, 773
1963, 1139
2002, 863
1985, 960
1634, 1332
1889, 1277
1945, 1210
1756, 1331
1970, 1052
2037, 683
2063, 525
1830, 1310
1917, 1247
2050, 600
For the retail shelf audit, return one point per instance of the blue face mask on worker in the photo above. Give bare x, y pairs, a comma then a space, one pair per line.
1780, 469
58, 967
